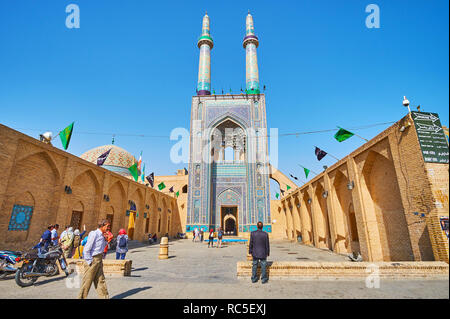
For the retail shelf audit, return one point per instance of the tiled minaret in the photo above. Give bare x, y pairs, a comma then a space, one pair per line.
251, 69
205, 44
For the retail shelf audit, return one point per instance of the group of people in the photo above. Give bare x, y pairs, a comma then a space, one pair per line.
198, 235
73, 243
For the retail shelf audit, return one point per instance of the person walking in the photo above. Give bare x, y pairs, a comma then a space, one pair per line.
259, 248
63, 234
201, 235
219, 237
211, 238
193, 235
196, 234
108, 237
67, 242
55, 235
122, 244
77, 237
93, 254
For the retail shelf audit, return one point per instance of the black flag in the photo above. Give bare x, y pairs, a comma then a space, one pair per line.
171, 189
320, 154
151, 179
102, 158
282, 191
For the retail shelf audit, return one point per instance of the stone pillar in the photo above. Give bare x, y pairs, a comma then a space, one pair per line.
164, 248
287, 212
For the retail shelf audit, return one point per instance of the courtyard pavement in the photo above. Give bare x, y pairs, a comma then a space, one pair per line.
194, 271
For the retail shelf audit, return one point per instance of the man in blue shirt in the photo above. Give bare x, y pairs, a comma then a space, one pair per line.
46, 238
93, 254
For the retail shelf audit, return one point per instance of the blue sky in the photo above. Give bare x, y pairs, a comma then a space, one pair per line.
132, 68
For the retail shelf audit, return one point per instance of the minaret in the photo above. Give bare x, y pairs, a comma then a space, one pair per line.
251, 68
205, 44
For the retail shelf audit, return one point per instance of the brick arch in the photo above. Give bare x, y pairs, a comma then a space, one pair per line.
47, 157
344, 232
86, 189
380, 184
321, 215
138, 198
34, 176
163, 217
309, 217
154, 214
118, 202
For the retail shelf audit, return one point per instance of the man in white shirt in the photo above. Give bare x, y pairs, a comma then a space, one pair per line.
93, 254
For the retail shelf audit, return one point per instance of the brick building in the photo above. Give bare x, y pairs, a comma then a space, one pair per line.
42, 185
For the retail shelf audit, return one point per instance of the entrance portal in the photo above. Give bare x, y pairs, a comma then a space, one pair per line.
228, 220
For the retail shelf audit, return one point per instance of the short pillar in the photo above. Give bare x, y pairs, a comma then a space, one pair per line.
164, 248
249, 256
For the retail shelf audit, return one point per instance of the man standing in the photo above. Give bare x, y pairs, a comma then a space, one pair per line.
259, 248
45, 239
93, 254
55, 235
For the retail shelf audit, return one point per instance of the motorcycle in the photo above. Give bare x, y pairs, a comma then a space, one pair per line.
8, 259
40, 263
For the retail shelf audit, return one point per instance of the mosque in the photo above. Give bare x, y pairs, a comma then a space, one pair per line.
387, 200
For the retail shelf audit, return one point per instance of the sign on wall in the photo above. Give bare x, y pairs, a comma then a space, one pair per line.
431, 137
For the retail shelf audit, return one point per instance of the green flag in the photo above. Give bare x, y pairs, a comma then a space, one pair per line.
306, 171
161, 186
288, 187
134, 171
277, 195
65, 136
342, 135
177, 193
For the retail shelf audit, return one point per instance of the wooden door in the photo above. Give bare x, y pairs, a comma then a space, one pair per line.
75, 221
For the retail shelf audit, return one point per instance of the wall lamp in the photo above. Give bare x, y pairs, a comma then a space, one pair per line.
298, 205
309, 200
169, 211
106, 197
350, 185
146, 206
325, 194
68, 190
159, 209
404, 127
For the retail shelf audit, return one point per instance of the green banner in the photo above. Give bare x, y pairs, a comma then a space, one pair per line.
431, 137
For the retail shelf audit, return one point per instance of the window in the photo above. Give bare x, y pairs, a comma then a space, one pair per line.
229, 154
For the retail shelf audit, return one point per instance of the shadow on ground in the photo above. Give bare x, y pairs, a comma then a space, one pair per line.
130, 292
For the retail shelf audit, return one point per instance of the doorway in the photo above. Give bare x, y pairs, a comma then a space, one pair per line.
75, 221
131, 220
228, 220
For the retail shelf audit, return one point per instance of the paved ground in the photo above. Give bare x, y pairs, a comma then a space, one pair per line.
195, 271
